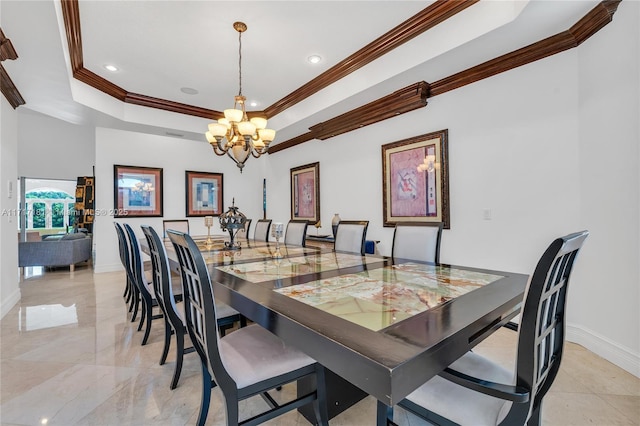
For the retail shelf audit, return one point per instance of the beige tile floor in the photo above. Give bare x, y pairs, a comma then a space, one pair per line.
70, 356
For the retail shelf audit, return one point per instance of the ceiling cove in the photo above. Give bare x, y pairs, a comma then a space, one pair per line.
398, 102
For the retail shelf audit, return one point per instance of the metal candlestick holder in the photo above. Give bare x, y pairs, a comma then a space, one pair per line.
208, 222
277, 230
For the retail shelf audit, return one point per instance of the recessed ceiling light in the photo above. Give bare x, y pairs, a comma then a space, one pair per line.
189, 91
111, 68
253, 104
314, 59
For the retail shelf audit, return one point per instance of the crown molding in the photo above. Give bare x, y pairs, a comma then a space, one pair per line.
7, 51
7, 87
409, 29
9, 90
591, 23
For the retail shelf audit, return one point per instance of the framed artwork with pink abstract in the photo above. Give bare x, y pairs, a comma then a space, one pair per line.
415, 180
305, 192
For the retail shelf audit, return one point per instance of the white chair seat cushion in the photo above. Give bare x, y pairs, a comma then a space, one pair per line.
462, 405
252, 354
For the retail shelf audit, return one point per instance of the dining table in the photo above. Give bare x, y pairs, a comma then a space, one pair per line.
380, 326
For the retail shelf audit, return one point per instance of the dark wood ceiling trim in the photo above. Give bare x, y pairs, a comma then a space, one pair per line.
305, 137
148, 101
593, 21
7, 50
412, 27
401, 101
9, 90
102, 84
71, 16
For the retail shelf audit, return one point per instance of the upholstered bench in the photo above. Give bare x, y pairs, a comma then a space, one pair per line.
68, 250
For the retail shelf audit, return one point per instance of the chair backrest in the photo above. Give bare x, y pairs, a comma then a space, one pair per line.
199, 306
245, 230
351, 235
180, 225
125, 253
296, 233
542, 326
417, 241
136, 263
162, 284
261, 232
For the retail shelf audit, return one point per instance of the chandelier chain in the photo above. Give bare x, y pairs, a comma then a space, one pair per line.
240, 62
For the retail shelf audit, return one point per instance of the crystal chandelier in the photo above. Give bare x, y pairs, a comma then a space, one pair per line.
236, 135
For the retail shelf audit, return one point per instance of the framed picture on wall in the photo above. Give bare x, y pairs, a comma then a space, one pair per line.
137, 191
415, 180
204, 193
305, 192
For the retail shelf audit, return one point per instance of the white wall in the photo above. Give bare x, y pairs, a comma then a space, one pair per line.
54, 149
609, 134
551, 148
9, 287
174, 156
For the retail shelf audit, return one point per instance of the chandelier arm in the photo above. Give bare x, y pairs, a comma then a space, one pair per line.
218, 150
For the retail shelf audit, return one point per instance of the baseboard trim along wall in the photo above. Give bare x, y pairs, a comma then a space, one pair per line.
113, 267
9, 302
621, 356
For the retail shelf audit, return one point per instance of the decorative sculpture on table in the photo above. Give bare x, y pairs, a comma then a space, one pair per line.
277, 230
232, 221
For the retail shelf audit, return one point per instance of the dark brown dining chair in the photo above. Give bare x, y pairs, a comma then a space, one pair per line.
475, 390
261, 232
173, 316
417, 241
351, 236
296, 233
245, 363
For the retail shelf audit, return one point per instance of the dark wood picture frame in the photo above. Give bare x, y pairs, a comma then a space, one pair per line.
412, 195
137, 191
305, 192
204, 193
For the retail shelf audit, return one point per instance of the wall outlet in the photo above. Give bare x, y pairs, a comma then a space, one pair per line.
486, 214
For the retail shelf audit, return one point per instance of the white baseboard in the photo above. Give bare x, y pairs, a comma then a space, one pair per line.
600, 345
113, 267
9, 302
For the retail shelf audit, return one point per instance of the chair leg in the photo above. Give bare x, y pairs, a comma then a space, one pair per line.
167, 341
143, 314
179, 356
134, 303
320, 404
149, 315
384, 415
206, 397
126, 290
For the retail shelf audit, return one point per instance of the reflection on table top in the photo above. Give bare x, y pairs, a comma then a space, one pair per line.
217, 254
378, 298
310, 263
